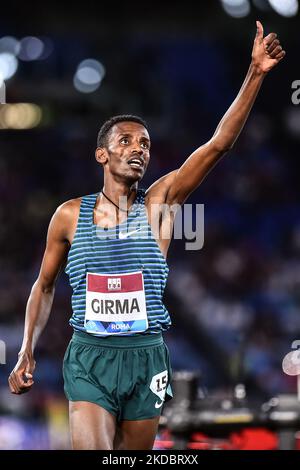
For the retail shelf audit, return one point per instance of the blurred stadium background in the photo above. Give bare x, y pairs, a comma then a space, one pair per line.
235, 303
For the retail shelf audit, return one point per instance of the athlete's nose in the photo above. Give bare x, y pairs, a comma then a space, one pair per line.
136, 151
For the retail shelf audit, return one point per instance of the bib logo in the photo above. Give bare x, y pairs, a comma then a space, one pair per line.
114, 283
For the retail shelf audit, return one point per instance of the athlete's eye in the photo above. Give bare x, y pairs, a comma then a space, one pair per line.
124, 140
145, 145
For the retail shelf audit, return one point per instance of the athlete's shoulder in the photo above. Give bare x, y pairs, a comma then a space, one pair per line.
65, 218
66, 214
69, 209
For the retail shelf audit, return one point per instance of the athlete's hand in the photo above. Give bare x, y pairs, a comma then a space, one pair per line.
267, 52
21, 378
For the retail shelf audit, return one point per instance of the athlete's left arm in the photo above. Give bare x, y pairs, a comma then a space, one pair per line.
267, 52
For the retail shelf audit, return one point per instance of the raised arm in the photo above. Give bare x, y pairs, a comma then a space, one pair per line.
41, 298
266, 53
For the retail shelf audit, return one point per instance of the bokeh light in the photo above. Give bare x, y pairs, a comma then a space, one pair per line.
20, 116
285, 7
31, 48
88, 76
236, 8
8, 65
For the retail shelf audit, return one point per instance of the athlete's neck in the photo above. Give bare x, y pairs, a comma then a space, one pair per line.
115, 191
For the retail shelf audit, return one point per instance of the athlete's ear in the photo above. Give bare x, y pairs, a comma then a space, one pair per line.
101, 155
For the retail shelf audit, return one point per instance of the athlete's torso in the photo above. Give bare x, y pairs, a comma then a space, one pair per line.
127, 248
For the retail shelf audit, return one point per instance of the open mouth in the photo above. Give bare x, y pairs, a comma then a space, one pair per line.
136, 163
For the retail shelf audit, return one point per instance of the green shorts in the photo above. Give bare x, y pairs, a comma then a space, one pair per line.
129, 376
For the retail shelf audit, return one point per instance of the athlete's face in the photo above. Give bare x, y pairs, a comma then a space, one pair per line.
128, 151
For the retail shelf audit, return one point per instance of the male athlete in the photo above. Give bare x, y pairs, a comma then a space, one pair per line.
116, 368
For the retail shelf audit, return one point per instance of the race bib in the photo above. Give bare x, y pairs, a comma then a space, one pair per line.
115, 304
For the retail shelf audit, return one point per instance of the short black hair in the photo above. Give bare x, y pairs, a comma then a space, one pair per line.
104, 131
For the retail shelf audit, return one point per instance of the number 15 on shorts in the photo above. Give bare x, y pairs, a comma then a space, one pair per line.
158, 386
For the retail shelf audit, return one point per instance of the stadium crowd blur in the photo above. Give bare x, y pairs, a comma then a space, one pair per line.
234, 303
